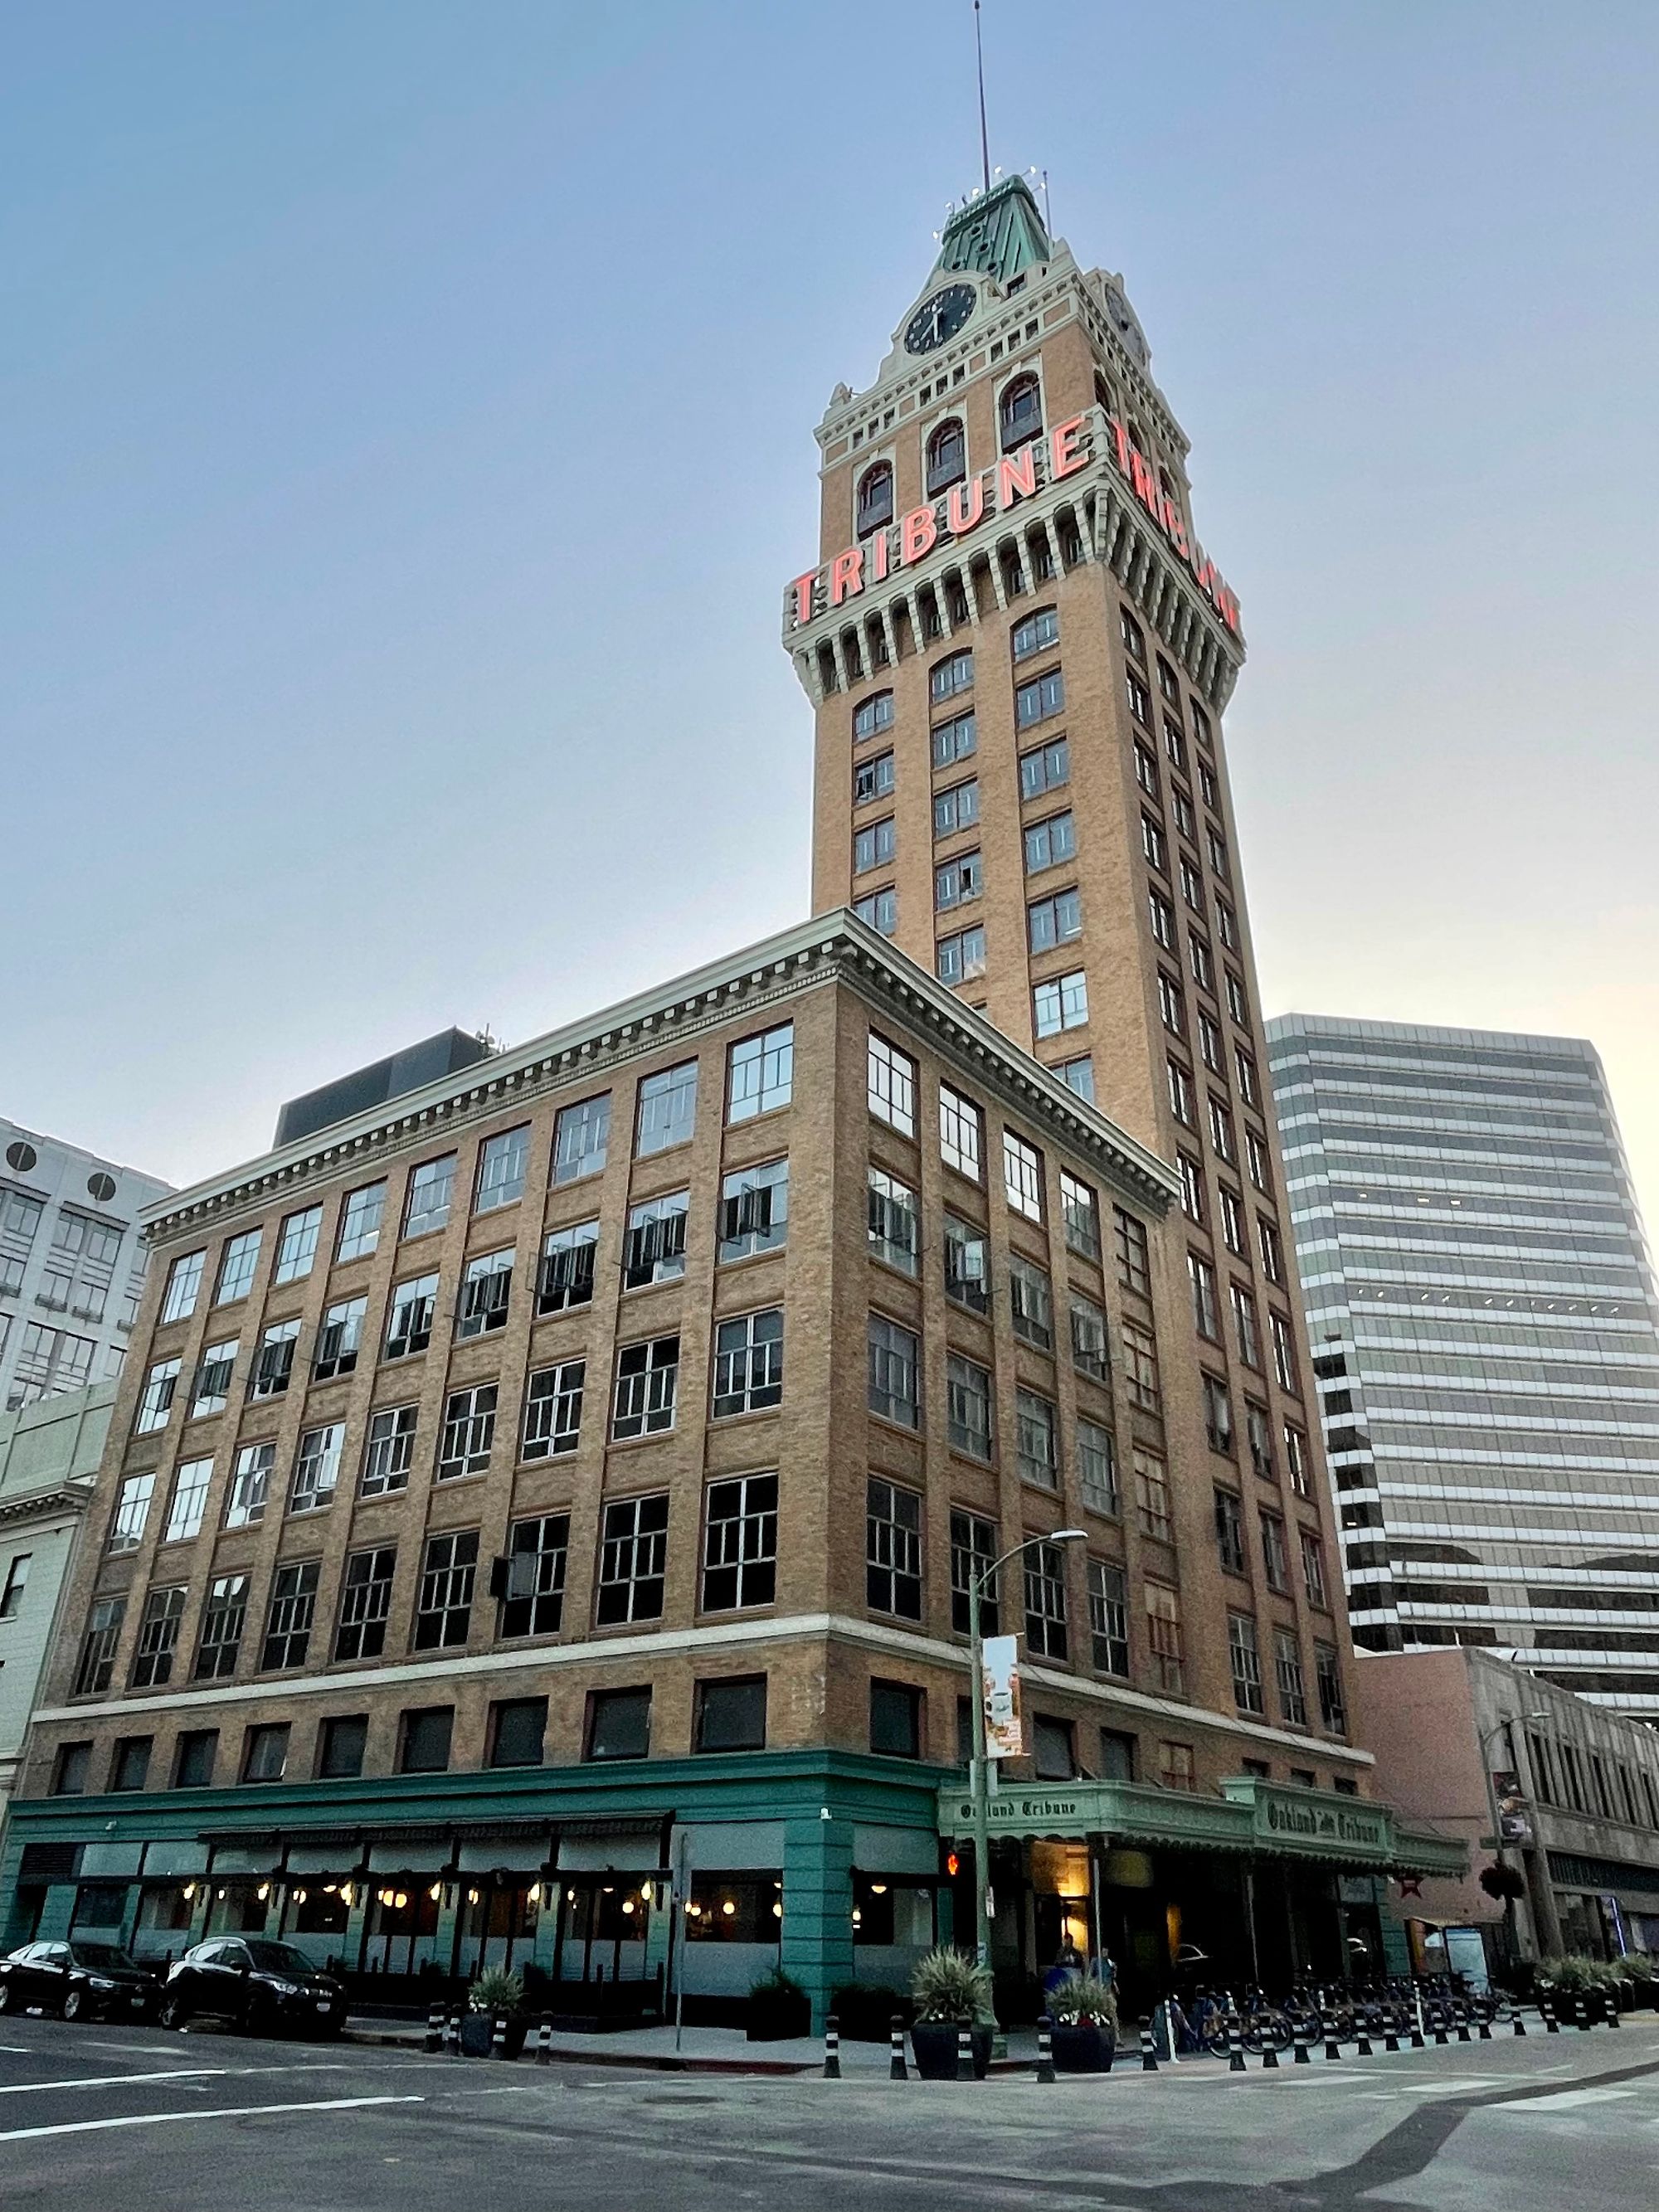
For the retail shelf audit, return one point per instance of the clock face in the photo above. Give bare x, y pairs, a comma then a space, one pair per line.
939, 318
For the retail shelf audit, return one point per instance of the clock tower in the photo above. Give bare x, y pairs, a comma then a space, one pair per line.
1019, 653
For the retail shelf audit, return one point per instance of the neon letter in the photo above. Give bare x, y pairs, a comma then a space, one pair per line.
803, 590
966, 507
1066, 453
878, 556
918, 534
846, 574
1017, 477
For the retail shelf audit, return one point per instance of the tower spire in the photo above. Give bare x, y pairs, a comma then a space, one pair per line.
984, 137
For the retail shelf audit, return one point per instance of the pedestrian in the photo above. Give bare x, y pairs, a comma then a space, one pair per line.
1069, 1965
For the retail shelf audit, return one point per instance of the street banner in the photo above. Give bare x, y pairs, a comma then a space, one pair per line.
1514, 1813
1000, 1688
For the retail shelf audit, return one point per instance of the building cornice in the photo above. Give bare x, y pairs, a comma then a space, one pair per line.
42, 1505
831, 947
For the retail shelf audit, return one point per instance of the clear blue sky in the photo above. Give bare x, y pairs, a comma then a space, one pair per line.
406, 434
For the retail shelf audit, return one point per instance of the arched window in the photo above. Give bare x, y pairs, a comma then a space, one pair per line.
1020, 412
1104, 395
875, 502
947, 457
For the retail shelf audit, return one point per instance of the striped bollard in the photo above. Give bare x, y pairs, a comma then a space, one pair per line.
1235, 2045
498, 2037
454, 2039
1045, 2065
1586, 2018
1390, 2030
1333, 2048
1547, 2013
896, 2069
1520, 2025
1362, 2044
1270, 2055
1610, 2008
435, 2027
964, 2054
1148, 2049
1463, 2016
832, 2049
1299, 2038
1483, 2029
544, 2040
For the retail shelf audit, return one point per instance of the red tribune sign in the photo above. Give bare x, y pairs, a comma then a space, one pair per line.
1068, 447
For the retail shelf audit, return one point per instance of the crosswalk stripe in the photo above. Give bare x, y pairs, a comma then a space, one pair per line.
209, 2112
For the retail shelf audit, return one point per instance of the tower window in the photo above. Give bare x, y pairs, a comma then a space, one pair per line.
947, 457
1019, 412
875, 500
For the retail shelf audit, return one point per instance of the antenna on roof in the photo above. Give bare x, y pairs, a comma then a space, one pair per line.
984, 140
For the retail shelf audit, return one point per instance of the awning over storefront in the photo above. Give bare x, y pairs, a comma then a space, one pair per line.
1249, 1815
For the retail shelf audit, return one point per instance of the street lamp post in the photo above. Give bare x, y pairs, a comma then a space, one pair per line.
978, 1778
1488, 1736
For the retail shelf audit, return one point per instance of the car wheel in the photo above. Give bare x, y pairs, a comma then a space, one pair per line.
74, 2004
174, 2013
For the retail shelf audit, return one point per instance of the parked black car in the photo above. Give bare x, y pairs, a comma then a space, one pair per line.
258, 1985
83, 1981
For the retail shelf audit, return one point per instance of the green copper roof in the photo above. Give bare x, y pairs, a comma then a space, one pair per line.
1001, 232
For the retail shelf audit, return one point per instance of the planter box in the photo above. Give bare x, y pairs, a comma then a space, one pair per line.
1082, 2047
934, 2043
477, 2033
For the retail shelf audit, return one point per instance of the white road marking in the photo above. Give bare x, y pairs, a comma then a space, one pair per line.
215, 2112
1565, 2100
110, 2081
22, 2049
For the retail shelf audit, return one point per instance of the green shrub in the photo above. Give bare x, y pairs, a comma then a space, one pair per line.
1083, 1997
495, 1991
777, 1984
1638, 1965
1576, 1972
948, 1985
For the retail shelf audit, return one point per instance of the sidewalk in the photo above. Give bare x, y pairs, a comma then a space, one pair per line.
700, 2051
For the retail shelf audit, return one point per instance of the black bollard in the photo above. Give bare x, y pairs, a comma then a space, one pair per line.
1332, 2047
1547, 2013
1299, 2039
454, 2036
1520, 2024
1148, 2049
1045, 2065
1270, 2055
832, 2049
544, 2041
1235, 2045
498, 2037
896, 2069
435, 2027
964, 2054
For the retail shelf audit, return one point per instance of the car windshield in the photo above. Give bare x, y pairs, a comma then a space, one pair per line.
99, 1954
280, 1959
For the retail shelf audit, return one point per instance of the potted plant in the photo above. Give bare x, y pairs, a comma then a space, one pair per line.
950, 1993
494, 1994
1083, 2013
778, 2008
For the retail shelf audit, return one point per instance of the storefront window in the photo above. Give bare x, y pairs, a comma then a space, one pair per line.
893, 1909
735, 1908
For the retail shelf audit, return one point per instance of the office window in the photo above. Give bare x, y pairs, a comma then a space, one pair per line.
1045, 1601
11, 1592
1258, 1434
426, 1732
469, 1431
1163, 1637
959, 881
892, 1553
1230, 1531
1283, 1353
194, 1758
974, 1548
1191, 886
1052, 921
1273, 1255
1287, 1666
874, 502
532, 1591
409, 1326
360, 1220
667, 1109
633, 1560
960, 1134
289, 1622
517, 1728
1133, 641
967, 1277
273, 1363
1244, 1067
1182, 1101
1054, 1748
296, 1247
1275, 1558
431, 1192
1022, 1175
653, 1250
1048, 768
1152, 846
1097, 1466
748, 1363
874, 846
1232, 1223
103, 1633
365, 1603
1327, 1677
1078, 1076
1246, 1657
895, 1372
1133, 1253
1030, 1300
1043, 696
1227, 922
317, 1468
132, 1512
1218, 1414
130, 1767
968, 1405
891, 1085
70, 1770
1163, 920
190, 1490
1153, 1496
948, 676
618, 1724
1182, 807
502, 1164
184, 1286
1172, 1004
1139, 1352
1109, 1617
873, 779
236, 1269
1298, 1465
1080, 1213
873, 716
553, 1410
582, 1140
1313, 1571
486, 1294
1221, 1130
955, 740
1209, 1042
1139, 698
956, 809
390, 1452
961, 957
565, 1277
443, 1606
1049, 844
1034, 633
222, 1621
250, 1485
761, 1072
1237, 1005
340, 1339
1146, 769
1206, 1315
894, 1233
1037, 1444
157, 1403
731, 1715
1089, 1351
1199, 960
1255, 1155
895, 1715
740, 1543
879, 911
647, 1386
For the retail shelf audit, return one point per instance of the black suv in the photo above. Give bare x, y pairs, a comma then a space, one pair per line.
258, 1986
83, 1981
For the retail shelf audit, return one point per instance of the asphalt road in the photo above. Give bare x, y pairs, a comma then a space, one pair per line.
142, 2121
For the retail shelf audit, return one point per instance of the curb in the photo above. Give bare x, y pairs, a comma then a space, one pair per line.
654, 2062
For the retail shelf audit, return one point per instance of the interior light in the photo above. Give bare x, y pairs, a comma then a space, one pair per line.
400, 1900
190, 1889
535, 1893
570, 1897
729, 1907
777, 1911
858, 1918
627, 1905
877, 1889
472, 1897
436, 1892
300, 1896
346, 1893
262, 1892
